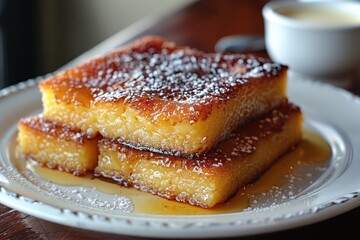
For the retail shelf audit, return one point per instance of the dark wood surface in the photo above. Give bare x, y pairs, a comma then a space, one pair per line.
199, 25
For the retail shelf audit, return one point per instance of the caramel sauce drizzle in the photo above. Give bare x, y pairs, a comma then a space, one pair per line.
281, 182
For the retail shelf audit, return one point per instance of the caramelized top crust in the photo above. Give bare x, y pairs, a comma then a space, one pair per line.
60, 132
153, 75
241, 143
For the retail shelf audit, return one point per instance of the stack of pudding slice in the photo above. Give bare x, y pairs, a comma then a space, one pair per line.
165, 119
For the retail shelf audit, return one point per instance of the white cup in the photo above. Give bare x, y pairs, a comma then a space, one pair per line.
315, 39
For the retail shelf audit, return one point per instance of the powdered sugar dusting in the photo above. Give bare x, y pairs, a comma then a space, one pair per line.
60, 131
160, 72
83, 196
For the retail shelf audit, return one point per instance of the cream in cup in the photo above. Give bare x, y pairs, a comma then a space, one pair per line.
315, 39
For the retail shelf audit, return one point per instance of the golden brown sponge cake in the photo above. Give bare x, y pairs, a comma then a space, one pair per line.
214, 176
155, 95
204, 181
57, 146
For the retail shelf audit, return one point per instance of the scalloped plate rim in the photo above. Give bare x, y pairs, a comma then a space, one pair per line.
132, 224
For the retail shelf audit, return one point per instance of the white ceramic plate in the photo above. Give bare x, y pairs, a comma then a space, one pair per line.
332, 112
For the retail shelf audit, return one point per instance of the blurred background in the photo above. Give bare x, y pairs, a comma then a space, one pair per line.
39, 36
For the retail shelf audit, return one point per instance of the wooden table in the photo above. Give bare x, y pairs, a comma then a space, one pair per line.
199, 25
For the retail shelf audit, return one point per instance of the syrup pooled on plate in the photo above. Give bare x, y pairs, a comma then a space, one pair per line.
285, 179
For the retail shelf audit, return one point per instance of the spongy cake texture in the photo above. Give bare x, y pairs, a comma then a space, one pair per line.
169, 120
155, 95
213, 177
203, 181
